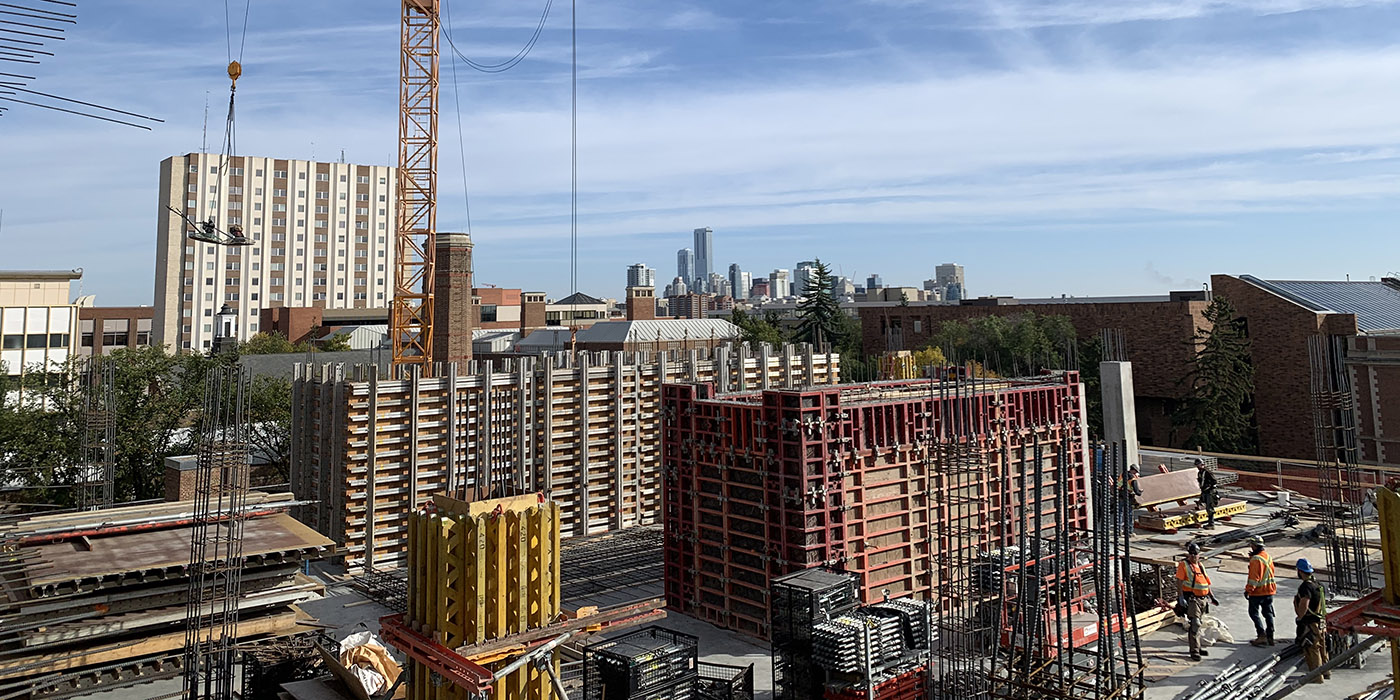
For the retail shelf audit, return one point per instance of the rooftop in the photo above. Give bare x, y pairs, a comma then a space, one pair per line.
28, 275
658, 331
1375, 304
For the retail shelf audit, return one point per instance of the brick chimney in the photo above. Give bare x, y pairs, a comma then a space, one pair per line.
532, 312
641, 304
452, 298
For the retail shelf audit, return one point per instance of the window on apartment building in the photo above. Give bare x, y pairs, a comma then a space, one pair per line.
318, 282
342, 210
209, 249
383, 180
279, 174
381, 226
208, 313
189, 297
279, 236
253, 297
361, 267
379, 295
213, 204
235, 220
214, 170
110, 338
301, 194
340, 296
343, 196
300, 238
301, 223
187, 313
189, 264
209, 296
323, 177
279, 207
191, 203
143, 338
340, 267
381, 253
209, 265
301, 176
206, 345
301, 208
257, 220
362, 239
257, 266
361, 225
235, 206
362, 197
194, 189
194, 168
300, 267
300, 251
235, 171
360, 296
256, 281
342, 224
318, 296
320, 238
58, 340
86, 338
276, 282
208, 329
380, 282
279, 193
231, 296
359, 281
363, 179
323, 195
276, 267
320, 209
279, 252
381, 267
189, 250
320, 252
231, 265
257, 251
185, 345
488, 312
275, 296
258, 173
298, 296
189, 281
279, 222
257, 191
231, 282
344, 178
235, 189
381, 212
340, 239
209, 280
257, 206
36, 341
318, 267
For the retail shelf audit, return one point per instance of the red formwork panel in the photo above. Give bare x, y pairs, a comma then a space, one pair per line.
760, 485
910, 685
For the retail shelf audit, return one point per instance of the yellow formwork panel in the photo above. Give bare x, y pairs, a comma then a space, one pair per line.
1388, 506
479, 571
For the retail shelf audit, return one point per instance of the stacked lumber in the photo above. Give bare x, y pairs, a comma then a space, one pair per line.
98, 599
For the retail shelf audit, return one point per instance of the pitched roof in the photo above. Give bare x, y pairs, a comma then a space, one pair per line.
579, 298
1376, 304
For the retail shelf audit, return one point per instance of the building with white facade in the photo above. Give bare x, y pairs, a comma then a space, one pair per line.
779, 286
322, 235
38, 320
639, 275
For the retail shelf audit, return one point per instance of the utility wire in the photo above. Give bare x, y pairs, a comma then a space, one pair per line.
461, 143
512, 61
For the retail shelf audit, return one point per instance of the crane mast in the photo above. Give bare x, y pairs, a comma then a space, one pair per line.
411, 310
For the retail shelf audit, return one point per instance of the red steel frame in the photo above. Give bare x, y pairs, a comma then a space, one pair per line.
761, 485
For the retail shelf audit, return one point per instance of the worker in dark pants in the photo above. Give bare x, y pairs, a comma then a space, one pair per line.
1310, 605
1260, 590
1210, 498
1193, 586
1132, 495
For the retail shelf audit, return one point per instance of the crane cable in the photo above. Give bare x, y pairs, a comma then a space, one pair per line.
461, 141
511, 62
235, 69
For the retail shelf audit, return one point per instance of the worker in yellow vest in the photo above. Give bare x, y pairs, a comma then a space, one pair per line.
1193, 587
1260, 590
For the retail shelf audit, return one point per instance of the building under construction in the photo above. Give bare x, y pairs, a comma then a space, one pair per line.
585, 429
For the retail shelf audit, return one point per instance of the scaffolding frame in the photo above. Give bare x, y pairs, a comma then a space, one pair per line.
1341, 487
216, 539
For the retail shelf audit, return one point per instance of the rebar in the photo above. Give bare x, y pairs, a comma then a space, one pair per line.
1339, 477
96, 477
216, 539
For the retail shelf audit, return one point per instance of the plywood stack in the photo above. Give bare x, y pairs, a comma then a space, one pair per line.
98, 599
584, 429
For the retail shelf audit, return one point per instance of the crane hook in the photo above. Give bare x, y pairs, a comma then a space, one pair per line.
235, 69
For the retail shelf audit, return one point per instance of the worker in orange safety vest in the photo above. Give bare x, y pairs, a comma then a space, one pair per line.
1260, 590
1193, 586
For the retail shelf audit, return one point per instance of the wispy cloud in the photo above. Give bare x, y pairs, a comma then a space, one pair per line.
1050, 13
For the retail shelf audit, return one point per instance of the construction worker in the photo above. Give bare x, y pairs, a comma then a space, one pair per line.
1310, 605
1193, 586
1209, 498
1132, 492
1260, 590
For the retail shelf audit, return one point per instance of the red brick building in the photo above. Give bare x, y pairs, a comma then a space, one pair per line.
1157, 333
103, 329
1279, 317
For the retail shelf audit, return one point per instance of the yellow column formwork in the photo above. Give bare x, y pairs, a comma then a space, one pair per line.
479, 571
1388, 505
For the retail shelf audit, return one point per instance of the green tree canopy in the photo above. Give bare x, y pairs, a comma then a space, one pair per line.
1218, 413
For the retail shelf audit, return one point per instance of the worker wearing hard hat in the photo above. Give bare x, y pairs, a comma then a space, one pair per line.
1260, 590
1210, 496
1193, 587
1310, 605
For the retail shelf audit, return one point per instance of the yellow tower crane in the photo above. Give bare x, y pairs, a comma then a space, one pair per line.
411, 310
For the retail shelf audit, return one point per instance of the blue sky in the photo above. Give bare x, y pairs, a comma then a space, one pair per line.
1050, 146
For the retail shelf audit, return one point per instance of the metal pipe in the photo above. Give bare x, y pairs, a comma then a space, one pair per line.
1336, 661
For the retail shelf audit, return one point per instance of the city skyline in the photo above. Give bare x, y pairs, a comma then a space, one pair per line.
1131, 144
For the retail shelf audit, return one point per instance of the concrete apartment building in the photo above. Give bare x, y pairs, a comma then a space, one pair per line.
322, 235
38, 320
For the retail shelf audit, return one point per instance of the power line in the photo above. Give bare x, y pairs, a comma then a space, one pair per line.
512, 61
69, 111
461, 143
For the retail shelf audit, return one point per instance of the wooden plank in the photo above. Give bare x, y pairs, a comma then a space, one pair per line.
279, 624
1169, 487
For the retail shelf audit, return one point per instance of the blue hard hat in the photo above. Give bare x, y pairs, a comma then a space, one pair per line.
1304, 566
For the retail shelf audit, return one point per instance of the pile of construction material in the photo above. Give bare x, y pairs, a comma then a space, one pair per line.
827, 646
98, 599
653, 663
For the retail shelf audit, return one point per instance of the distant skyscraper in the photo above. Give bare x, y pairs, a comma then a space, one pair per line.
736, 278
953, 292
759, 288
677, 287
639, 275
841, 287
704, 254
874, 282
779, 286
802, 276
947, 275
685, 265
745, 287
719, 285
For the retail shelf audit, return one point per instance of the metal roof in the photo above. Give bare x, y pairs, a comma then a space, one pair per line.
1376, 304
659, 330
579, 298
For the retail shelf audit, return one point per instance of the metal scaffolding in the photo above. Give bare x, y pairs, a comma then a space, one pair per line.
98, 459
216, 539
1339, 476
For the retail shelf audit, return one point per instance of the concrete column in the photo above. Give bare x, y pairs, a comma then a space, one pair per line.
1119, 414
452, 298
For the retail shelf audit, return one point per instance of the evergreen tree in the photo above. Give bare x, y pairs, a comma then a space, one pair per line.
759, 331
1218, 413
821, 320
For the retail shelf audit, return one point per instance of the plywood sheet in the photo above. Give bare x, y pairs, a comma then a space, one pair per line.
1169, 487
114, 555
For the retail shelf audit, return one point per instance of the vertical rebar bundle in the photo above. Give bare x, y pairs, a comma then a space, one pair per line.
216, 539
1339, 478
98, 459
